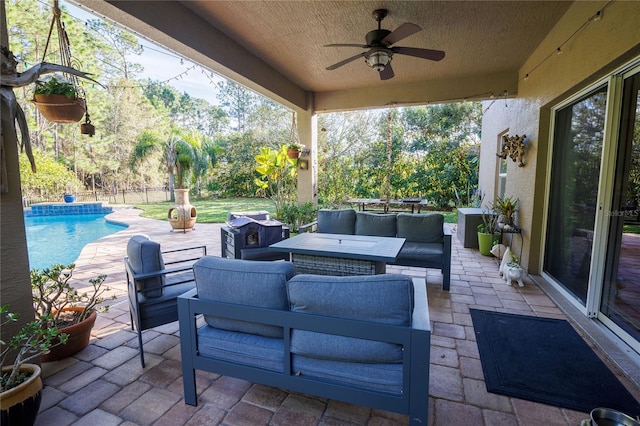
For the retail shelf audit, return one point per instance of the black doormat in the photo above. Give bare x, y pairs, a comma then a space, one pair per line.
544, 360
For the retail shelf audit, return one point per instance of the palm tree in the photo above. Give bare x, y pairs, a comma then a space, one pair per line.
178, 155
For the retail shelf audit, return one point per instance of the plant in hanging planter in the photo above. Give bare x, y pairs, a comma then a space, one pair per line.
58, 101
293, 151
20, 383
58, 304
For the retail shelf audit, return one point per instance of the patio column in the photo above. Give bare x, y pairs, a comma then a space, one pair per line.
15, 282
308, 135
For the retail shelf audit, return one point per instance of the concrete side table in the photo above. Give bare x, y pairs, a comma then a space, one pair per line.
468, 221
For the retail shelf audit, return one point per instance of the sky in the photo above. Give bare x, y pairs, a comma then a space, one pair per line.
164, 65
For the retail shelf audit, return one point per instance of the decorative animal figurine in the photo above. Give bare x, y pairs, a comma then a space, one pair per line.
513, 273
506, 258
498, 249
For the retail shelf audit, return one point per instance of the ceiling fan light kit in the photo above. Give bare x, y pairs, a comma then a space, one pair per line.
380, 50
378, 59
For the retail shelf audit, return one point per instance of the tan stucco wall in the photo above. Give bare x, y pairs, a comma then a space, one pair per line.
597, 49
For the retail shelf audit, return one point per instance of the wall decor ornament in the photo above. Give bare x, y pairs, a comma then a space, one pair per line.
513, 147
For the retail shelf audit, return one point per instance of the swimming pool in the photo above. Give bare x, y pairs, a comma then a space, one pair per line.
60, 239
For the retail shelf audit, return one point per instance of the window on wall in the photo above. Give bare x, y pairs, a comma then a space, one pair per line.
502, 177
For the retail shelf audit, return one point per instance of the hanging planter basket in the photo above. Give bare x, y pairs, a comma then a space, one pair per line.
60, 109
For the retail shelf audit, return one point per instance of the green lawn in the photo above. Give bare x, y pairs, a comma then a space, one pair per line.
210, 211
215, 211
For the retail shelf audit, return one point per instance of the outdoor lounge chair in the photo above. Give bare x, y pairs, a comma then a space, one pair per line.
152, 287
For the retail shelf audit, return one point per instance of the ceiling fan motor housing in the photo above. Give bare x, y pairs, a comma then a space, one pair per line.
375, 37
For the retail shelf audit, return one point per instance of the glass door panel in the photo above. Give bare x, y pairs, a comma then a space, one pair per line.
621, 290
575, 172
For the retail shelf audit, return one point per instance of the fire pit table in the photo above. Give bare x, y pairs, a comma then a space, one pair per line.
338, 254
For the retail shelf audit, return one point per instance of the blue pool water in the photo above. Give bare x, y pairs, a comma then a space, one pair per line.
60, 239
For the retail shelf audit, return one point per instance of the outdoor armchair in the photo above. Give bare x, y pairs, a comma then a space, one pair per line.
155, 279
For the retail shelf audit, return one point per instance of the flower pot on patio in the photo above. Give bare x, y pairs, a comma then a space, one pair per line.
182, 215
20, 405
69, 198
79, 335
485, 242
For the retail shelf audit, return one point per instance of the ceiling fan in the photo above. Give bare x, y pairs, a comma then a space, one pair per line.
379, 53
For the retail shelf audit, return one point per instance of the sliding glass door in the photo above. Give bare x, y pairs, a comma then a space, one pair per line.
575, 171
620, 301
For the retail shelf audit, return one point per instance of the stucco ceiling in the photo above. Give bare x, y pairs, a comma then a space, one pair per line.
487, 40
478, 37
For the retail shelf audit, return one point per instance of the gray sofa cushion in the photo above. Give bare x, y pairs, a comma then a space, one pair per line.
243, 348
421, 228
379, 225
384, 298
245, 282
145, 256
425, 252
337, 221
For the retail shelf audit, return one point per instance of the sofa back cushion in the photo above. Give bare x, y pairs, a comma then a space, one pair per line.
379, 225
337, 221
246, 282
421, 228
386, 298
145, 256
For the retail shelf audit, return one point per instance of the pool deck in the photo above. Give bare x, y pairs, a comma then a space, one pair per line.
105, 385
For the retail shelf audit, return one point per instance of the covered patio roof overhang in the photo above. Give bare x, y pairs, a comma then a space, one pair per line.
277, 48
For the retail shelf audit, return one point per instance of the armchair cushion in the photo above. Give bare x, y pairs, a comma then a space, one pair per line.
386, 299
144, 257
337, 221
379, 225
421, 228
243, 282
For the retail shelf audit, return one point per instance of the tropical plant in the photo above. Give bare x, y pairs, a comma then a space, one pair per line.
36, 338
505, 207
488, 221
276, 172
52, 293
53, 86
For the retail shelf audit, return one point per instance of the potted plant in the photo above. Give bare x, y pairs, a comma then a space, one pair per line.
58, 101
20, 383
60, 305
293, 150
486, 232
505, 208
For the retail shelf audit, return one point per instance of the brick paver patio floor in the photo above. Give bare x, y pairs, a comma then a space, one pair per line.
105, 384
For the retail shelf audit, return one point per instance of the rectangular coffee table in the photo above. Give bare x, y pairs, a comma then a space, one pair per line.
338, 254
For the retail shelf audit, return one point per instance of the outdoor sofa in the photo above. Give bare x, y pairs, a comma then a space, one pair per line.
428, 241
359, 339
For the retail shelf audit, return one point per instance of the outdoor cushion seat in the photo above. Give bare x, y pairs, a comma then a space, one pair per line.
379, 225
430, 252
380, 377
239, 281
249, 349
152, 288
337, 221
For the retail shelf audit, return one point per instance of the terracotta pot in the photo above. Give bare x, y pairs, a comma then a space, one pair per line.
182, 215
79, 335
59, 108
293, 153
20, 405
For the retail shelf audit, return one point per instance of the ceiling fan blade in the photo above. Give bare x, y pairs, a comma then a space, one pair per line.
387, 72
403, 31
346, 61
434, 55
364, 46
